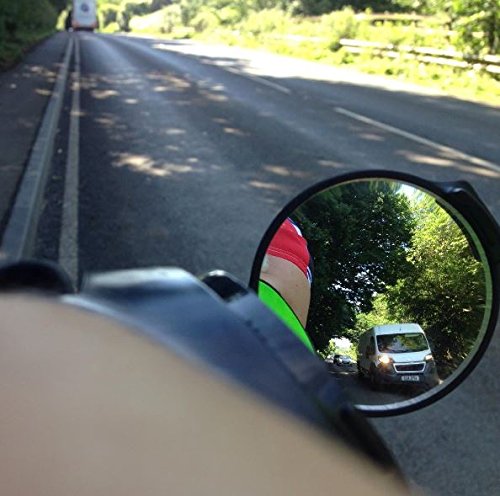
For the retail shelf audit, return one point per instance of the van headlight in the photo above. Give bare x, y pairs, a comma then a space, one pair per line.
384, 359
429, 357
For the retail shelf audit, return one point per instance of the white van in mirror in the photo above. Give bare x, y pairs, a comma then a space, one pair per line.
397, 354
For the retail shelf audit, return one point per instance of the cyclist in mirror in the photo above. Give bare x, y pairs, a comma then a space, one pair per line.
286, 277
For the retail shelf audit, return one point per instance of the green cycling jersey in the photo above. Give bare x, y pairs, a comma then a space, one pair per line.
273, 300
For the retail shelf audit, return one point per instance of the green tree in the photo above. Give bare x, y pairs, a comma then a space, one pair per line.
318, 7
108, 13
358, 235
60, 5
23, 22
378, 315
478, 23
445, 288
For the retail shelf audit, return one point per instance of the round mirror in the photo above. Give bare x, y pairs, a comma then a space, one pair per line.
385, 281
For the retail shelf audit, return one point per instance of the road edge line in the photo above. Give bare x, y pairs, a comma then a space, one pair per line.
19, 236
68, 239
419, 139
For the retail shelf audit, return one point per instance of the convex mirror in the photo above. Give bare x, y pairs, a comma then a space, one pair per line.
389, 280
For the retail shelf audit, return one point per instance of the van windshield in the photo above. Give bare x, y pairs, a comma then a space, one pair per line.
402, 343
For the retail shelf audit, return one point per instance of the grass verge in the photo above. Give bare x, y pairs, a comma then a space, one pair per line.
318, 39
12, 51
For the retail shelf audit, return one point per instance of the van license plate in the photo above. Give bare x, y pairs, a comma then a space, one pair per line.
410, 378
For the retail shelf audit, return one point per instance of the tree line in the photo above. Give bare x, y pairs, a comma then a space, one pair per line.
476, 21
23, 22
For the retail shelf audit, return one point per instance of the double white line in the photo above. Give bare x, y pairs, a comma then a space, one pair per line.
68, 241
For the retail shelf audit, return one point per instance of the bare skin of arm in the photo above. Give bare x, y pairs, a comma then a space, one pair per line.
90, 408
286, 278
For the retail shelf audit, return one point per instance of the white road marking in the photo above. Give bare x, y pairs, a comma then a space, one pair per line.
260, 80
419, 139
68, 242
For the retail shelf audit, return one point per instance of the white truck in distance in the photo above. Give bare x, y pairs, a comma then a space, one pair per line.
84, 15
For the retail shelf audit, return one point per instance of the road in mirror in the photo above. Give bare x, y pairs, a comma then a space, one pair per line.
383, 283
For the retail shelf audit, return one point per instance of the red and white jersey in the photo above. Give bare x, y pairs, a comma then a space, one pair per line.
289, 244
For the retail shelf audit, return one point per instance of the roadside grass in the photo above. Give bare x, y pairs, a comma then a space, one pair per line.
23, 24
318, 39
11, 51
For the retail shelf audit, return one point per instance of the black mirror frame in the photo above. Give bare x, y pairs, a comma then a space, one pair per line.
468, 207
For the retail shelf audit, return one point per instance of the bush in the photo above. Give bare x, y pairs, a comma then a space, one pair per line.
26, 17
230, 15
205, 21
22, 23
123, 21
108, 14
137, 8
172, 18
131, 9
165, 21
151, 23
477, 34
112, 27
266, 21
341, 24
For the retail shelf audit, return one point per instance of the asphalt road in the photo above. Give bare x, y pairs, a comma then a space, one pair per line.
362, 393
186, 153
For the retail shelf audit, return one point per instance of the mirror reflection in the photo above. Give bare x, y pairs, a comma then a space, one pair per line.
383, 283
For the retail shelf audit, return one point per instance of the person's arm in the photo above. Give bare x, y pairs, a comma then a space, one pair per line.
289, 281
90, 408
285, 279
